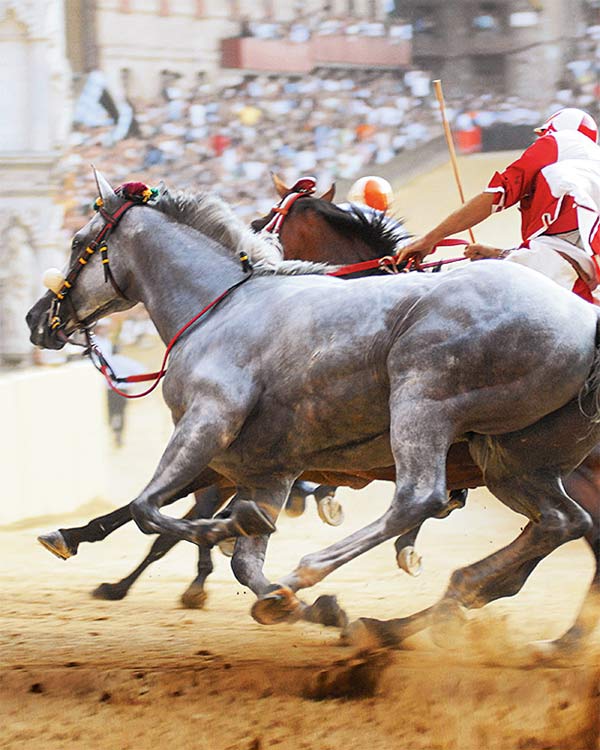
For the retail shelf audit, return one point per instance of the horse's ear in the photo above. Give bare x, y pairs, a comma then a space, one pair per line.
163, 190
106, 191
329, 195
280, 187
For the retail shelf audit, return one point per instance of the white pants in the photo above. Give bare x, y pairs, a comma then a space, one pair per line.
541, 257
546, 261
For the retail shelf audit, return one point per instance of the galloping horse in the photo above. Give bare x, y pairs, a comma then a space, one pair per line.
364, 342
356, 237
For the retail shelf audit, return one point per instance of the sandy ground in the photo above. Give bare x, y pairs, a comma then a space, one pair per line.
78, 672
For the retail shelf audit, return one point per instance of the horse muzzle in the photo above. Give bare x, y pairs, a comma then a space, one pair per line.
38, 321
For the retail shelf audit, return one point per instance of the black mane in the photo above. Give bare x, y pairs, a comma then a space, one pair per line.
374, 229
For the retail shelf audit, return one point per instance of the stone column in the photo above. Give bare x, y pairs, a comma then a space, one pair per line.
36, 106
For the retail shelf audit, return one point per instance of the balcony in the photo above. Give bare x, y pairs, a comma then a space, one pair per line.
282, 56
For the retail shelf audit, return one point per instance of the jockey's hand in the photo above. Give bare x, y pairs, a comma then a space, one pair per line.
476, 251
417, 249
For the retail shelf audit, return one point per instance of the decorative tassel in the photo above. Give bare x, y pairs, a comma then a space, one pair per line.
245, 261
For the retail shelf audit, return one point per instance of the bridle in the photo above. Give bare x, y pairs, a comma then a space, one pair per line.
303, 188
135, 194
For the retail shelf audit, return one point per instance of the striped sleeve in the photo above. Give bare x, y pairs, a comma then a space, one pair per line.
517, 180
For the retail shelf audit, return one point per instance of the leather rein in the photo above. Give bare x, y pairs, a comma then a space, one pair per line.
136, 194
139, 194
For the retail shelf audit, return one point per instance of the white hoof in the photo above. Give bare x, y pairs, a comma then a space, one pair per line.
410, 561
330, 510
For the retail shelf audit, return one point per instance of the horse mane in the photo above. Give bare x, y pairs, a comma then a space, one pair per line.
373, 228
210, 215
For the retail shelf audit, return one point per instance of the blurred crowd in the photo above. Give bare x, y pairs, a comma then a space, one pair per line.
333, 124
304, 27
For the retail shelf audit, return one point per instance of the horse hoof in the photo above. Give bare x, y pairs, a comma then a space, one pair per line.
295, 506
409, 560
281, 605
566, 651
326, 611
226, 546
55, 542
194, 597
365, 634
110, 591
330, 510
447, 626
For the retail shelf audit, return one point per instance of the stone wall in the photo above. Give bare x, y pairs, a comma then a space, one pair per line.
35, 122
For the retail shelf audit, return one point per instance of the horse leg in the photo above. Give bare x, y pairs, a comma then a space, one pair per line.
407, 557
557, 520
296, 502
328, 507
159, 548
200, 435
274, 604
207, 504
420, 492
64, 543
583, 485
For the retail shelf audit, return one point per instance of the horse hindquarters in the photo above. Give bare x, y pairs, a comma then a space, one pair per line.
524, 470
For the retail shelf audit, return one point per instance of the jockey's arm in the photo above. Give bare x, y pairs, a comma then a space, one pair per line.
468, 215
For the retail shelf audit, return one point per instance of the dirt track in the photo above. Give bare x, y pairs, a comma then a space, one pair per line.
81, 672
77, 672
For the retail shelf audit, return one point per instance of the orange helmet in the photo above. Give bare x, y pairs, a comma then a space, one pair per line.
372, 191
570, 118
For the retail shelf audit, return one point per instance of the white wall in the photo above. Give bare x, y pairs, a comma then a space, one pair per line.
54, 441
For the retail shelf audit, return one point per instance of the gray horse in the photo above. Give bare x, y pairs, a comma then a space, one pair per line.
399, 369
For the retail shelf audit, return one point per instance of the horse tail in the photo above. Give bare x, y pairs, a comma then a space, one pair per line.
589, 395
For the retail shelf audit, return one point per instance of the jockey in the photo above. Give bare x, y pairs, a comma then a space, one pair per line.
556, 182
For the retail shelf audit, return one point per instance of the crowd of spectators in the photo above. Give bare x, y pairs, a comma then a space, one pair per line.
334, 124
304, 27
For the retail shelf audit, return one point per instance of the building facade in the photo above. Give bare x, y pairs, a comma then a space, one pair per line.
137, 43
518, 47
35, 122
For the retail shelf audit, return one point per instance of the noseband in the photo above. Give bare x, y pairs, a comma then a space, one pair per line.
304, 188
136, 194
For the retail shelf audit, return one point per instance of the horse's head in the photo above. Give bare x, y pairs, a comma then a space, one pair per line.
97, 280
302, 188
313, 228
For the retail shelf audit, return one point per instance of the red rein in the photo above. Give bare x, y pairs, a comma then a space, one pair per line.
387, 261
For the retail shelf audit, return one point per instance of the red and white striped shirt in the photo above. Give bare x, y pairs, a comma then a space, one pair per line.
522, 182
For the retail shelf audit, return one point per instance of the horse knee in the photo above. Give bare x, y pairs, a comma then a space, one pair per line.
415, 510
143, 515
576, 523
